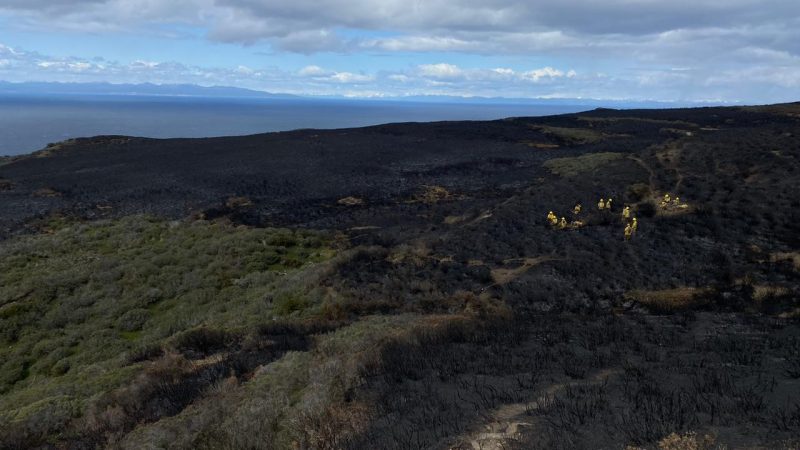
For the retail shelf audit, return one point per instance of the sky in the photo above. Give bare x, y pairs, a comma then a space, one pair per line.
664, 50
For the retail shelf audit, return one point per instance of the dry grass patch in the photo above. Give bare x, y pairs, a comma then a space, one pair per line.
572, 135
571, 167
794, 257
433, 194
350, 201
785, 109
540, 145
763, 292
638, 119
672, 211
688, 441
53, 148
238, 202
452, 220
416, 253
670, 300
676, 131
503, 275
46, 193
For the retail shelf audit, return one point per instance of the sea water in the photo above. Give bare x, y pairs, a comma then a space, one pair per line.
29, 123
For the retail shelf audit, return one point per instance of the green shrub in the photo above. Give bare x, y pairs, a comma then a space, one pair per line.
82, 307
288, 303
133, 320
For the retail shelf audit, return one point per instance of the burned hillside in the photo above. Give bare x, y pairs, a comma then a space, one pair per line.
401, 286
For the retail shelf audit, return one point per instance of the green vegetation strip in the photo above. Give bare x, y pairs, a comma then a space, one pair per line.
75, 303
570, 167
575, 135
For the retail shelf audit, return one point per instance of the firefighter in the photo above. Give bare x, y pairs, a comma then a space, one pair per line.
634, 225
563, 223
577, 209
628, 231
552, 218
601, 205
608, 204
626, 212
666, 197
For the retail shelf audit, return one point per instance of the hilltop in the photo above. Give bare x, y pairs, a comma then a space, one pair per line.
399, 286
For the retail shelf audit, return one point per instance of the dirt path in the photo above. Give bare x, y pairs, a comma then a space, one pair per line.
672, 152
652, 175
502, 276
507, 422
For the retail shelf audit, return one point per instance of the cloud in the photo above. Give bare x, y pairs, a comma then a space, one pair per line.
481, 26
773, 79
312, 71
420, 44
440, 79
440, 71
320, 74
543, 73
729, 48
450, 72
625, 37
347, 77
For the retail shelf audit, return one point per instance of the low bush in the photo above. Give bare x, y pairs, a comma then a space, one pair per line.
85, 307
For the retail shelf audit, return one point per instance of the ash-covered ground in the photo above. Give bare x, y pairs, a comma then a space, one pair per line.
524, 333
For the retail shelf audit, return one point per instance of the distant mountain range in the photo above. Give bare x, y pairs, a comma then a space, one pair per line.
191, 90
144, 89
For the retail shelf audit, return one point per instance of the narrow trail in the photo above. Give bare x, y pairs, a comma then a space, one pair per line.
661, 158
503, 276
507, 422
652, 175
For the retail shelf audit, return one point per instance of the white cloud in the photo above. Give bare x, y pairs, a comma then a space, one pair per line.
543, 73
420, 44
773, 76
713, 38
441, 71
5, 50
320, 74
504, 71
348, 77
312, 71
244, 70
399, 77
146, 65
475, 26
449, 72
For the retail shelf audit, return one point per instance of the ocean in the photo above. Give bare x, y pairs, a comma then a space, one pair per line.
29, 123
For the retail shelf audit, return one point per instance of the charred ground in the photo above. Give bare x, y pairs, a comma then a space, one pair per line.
429, 303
